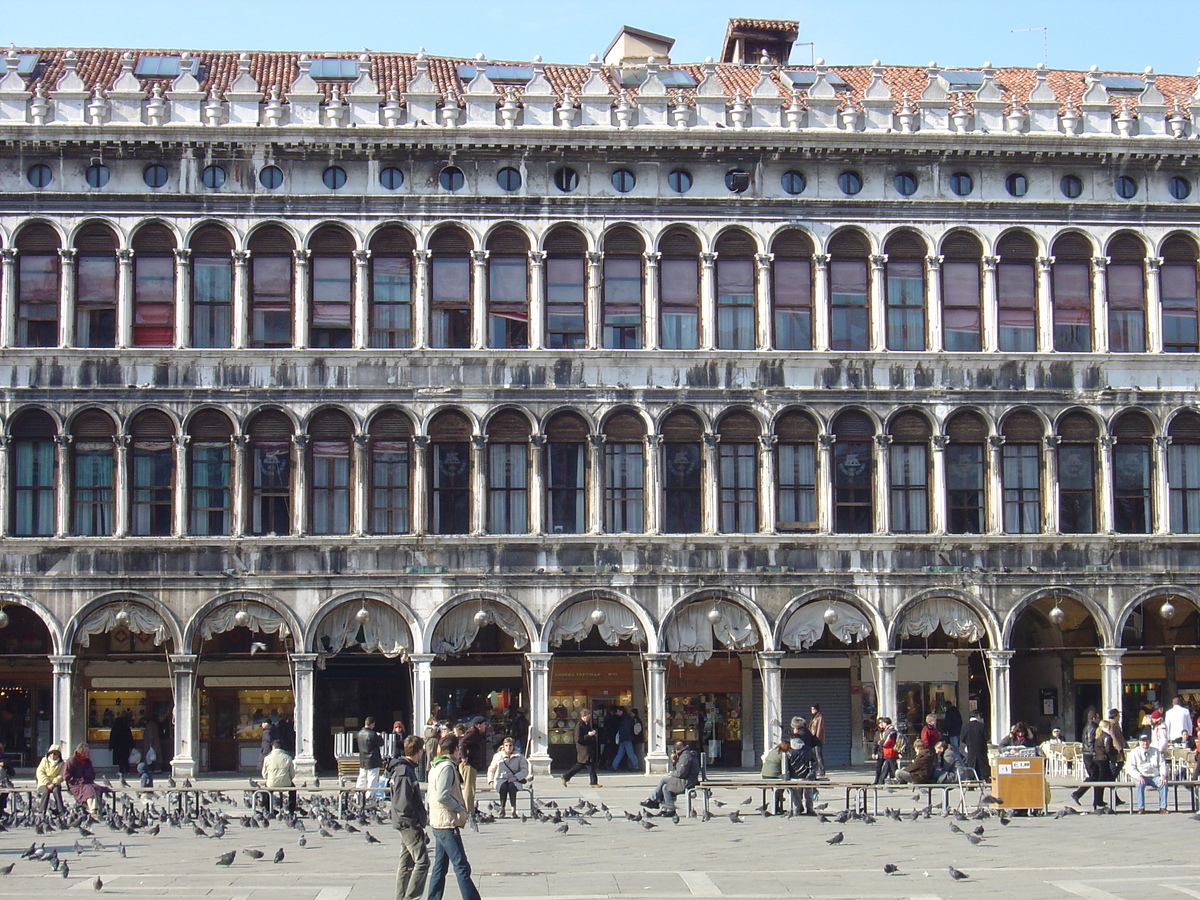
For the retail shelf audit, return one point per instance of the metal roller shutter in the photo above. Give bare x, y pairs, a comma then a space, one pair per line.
801, 689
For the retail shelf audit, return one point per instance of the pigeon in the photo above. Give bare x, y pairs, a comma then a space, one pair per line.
254, 854
717, 803
675, 819
836, 839
121, 850
258, 647
735, 818
6, 869
303, 842
226, 859
97, 885
78, 848
954, 829
890, 868
747, 801
371, 839
955, 874
563, 828
974, 838
65, 870
647, 824
279, 855
987, 799
978, 831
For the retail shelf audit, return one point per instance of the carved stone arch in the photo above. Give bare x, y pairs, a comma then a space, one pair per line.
622, 235
987, 618
174, 627
313, 629
92, 227
275, 229
331, 237
483, 597
818, 595
649, 629
291, 621
766, 635
1104, 626
53, 626
38, 416
445, 415
1164, 591
209, 240
849, 242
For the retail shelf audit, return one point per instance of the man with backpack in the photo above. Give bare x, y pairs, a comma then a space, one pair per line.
887, 750
802, 766
638, 731
410, 818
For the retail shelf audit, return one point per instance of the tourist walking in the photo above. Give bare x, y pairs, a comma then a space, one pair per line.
447, 815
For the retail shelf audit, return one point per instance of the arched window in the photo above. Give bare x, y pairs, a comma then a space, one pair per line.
624, 474
566, 465
961, 293
1071, 293
450, 289
622, 289
391, 471
1131, 477
1022, 473
682, 434
331, 472
508, 473
38, 287
32, 468
735, 292
92, 442
853, 476
391, 289
270, 473
849, 292
1016, 293
908, 468
737, 476
152, 474
791, 291
1077, 474
508, 289
679, 290
1126, 278
331, 309
153, 287
210, 470
966, 439
212, 287
1183, 473
796, 472
450, 474
1177, 279
271, 256
905, 292
566, 289
96, 287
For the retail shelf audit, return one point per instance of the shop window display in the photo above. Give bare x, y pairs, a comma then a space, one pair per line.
712, 721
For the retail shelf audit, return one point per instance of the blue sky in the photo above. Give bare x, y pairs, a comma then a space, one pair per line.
1113, 35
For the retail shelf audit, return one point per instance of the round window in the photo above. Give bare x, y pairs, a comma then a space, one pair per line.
452, 178
97, 175
39, 175
850, 183
623, 180
1179, 187
737, 180
1016, 184
270, 177
1071, 186
212, 177
680, 181
155, 175
1125, 187
906, 183
509, 179
566, 179
961, 184
334, 177
793, 182
391, 177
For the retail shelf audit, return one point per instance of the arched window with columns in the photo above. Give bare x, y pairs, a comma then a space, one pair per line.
1017, 293
737, 473
210, 474
331, 472
153, 287
271, 474
450, 284
962, 322
212, 287
736, 328
849, 292
38, 287
508, 289
966, 443
390, 463
272, 263
96, 287
905, 280
331, 289
1071, 293
1077, 474
1183, 472
508, 473
93, 473
624, 474
796, 472
566, 289
853, 474
1177, 281
566, 472
32, 474
1021, 474
1132, 474
151, 474
622, 289
679, 290
391, 286
908, 473
683, 474
1126, 290
791, 290
450, 474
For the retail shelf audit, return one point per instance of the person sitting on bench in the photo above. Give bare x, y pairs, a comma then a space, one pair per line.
684, 775
920, 770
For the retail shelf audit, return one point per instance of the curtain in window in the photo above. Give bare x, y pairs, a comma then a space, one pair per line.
508, 489
1016, 293
906, 304
33, 488
849, 316
1022, 489
565, 304
385, 631
739, 488
263, 620
960, 315
391, 302
956, 620
389, 487
94, 488
331, 487
142, 620
735, 304
622, 303
566, 487
691, 636
792, 286
271, 301
680, 303
153, 301
1127, 308
450, 295
1178, 284
1184, 476
212, 302
150, 511
575, 623
1072, 307
910, 495
508, 302
806, 625
457, 630
797, 478
210, 489
623, 488
37, 300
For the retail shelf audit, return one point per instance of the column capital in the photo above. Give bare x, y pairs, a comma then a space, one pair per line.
422, 659
539, 660
301, 256
421, 256
882, 441
183, 660
1110, 656
1101, 262
537, 257
181, 440
361, 438
886, 658
652, 257
826, 440
125, 255
420, 441
771, 658
656, 661
596, 440
183, 255
821, 260
1045, 263
767, 441
996, 441
1153, 263
1052, 441
306, 661
64, 439
479, 441
939, 441
990, 263
1162, 441
8, 255
708, 260
479, 257
878, 260
300, 441
240, 257
66, 254
999, 657
934, 263
653, 440
595, 257
537, 441
710, 438
62, 664
764, 260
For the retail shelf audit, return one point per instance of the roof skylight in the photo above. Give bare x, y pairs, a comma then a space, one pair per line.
499, 74
157, 67
803, 79
326, 68
669, 78
1123, 83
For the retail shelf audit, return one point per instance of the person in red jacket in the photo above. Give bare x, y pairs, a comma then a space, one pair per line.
929, 734
886, 751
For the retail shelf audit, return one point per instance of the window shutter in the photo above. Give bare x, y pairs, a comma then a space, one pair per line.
1022, 427
910, 428
792, 244
679, 243
331, 240
34, 424
853, 426
962, 245
213, 240
330, 425
1017, 246
738, 427
392, 242
850, 245
154, 240
96, 240
905, 245
271, 239
796, 427
37, 239
450, 426
1072, 246
271, 426
451, 241
1126, 248
391, 425
681, 427
966, 428
623, 242
1077, 428
567, 428
565, 241
1185, 427
736, 243
152, 426
1133, 428
210, 425
93, 425
508, 242
508, 427
1179, 248
624, 426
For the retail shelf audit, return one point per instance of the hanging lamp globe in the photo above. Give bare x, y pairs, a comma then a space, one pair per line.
363, 616
121, 619
3, 619
1167, 610
598, 616
715, 615
481, 618
241, 618
830, 616
1056, 615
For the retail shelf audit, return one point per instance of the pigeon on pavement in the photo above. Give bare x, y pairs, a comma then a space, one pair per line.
955, 874
836, 839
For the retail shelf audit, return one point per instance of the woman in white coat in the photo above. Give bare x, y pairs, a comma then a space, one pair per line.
508, 769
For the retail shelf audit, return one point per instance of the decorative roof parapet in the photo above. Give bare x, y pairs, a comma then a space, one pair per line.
365, 98
243, 96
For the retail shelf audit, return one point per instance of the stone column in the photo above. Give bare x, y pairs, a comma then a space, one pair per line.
593, 302
420, 484
301, 299
710, 476
1154, 335
1110, 678
538, 752
122, 483
479, 294
361, 338
179, 485
933, 302
239, 495
706, 333
1050, 485
653, 482
8, 295
650, 303
998, 666
186, 761
537, 299
300, 484
420, 299
877, 302
63, 689
477, 478
1045, 304
422, 689
880, 482
656, 712
537, 484
124, 298
1100, 304
768, 513
937, 489
1104, 485
241, 299
62, 484
885, 682
183, 298
764, 326
993, 496
772, 697
1161, 495
360, 501
6, 514
820, 302
304, 665
990, 321
594, 484
66, 304
824, 477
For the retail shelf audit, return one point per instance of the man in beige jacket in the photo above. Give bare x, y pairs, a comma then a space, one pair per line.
447, 814
278, 772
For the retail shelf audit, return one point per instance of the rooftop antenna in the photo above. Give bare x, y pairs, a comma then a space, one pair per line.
1045, 41
812, 51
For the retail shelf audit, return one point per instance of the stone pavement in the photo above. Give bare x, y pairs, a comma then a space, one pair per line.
1089, 856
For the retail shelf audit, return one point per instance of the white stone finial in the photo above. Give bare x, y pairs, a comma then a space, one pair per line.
820, 61
1149, 70
708, 60
479, 57
933, 64
764, 58
537, 58
185, 55
987, 65
593, 58
876, 62
1090, 68
651, 61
